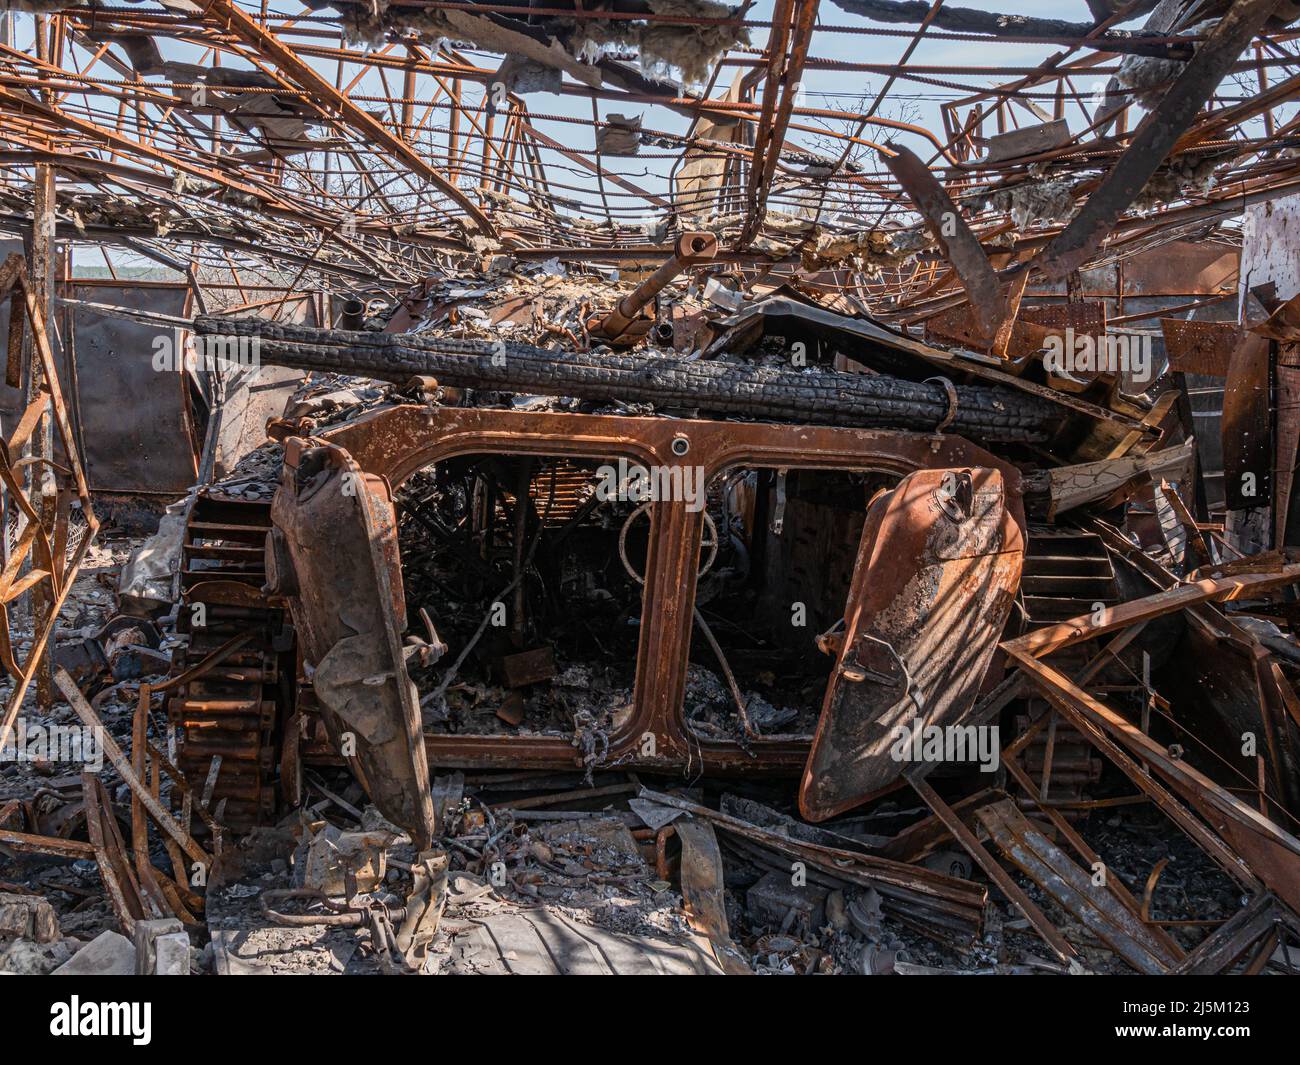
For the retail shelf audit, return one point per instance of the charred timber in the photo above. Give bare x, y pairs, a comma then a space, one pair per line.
823, 397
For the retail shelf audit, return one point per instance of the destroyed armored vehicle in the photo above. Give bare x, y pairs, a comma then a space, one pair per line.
466, 578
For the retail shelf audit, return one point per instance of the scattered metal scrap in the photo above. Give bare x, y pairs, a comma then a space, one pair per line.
876, 552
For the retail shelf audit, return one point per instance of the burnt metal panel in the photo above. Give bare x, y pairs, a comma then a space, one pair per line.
1100, 910
960, 246
938, 566
1248, 426
333, 553
134, 421
1200, 347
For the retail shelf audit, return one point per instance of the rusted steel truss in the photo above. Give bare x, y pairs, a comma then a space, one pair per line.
369, 164
40, 491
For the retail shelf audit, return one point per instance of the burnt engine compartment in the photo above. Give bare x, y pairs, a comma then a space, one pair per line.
541, 607
533, 603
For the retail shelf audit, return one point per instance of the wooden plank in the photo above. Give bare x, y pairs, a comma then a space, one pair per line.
1073, 486
702, 892
1142, 442
121, 896
150, 886
1196, 538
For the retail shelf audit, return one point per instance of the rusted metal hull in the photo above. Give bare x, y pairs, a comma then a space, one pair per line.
394, 443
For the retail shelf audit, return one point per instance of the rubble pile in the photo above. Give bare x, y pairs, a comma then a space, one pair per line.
472, 553
520, 580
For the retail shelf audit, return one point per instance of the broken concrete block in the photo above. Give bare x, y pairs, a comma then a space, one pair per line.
108, 954
172, 954
24, 957
28, 917
145, 936
774, 901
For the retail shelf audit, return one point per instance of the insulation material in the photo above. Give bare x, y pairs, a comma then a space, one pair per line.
483, 245
146, 584
279, 120
663, 49
366, 24
1034, 202
1185, 175
689, 50
788, 224
620, 135
866, 249
235, 198
782, 231
108, 210
702, 170
184, 184
520, 74
1148, 77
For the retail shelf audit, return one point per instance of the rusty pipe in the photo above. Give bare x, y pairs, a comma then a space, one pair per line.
690, 249
353, 314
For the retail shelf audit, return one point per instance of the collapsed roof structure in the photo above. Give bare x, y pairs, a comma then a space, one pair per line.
556, 466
